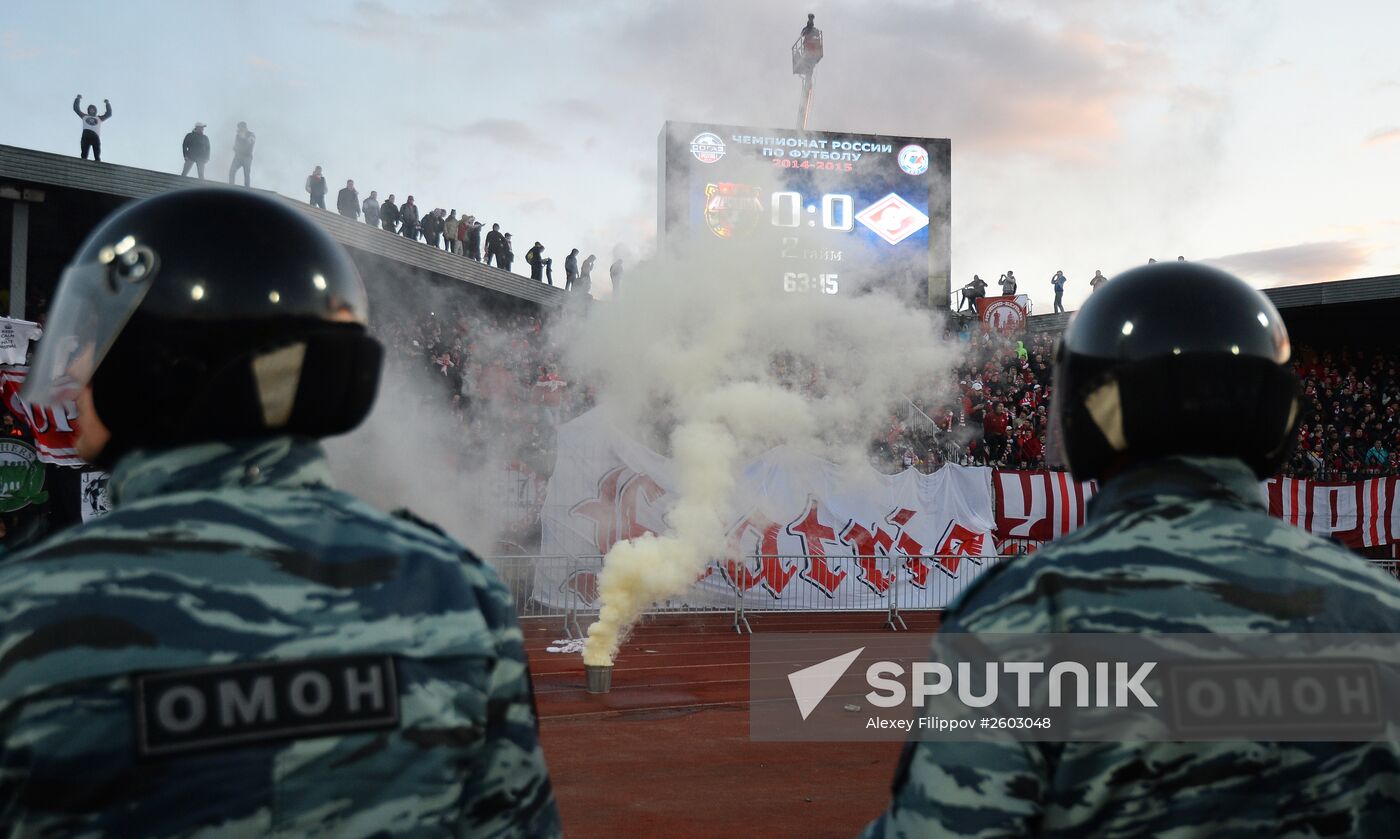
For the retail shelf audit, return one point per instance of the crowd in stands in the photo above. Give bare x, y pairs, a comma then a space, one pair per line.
1351, 429
496, 373
1000, 413
997, 414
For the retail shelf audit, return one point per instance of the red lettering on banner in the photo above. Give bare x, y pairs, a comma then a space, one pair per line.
865, 543
814, 535
915, 563
958, 542
614, 510
772, 573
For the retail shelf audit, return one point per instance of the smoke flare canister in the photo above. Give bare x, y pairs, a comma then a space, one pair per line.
599, 677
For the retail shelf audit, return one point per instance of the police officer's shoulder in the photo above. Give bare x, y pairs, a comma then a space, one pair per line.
403, 514
998, 598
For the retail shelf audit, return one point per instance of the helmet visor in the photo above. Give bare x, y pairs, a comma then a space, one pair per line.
94, 302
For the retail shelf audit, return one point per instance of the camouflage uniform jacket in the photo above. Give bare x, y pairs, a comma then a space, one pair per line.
239, 649
1179, 546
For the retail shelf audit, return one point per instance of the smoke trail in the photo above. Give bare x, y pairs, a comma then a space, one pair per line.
714, 365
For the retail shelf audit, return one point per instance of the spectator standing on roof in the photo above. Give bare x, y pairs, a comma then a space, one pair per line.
1058, 281
389, 214
243, 142
1097, 280
92, 127
494, 242
571, 270
371, 208
450, 227
470, 235
408, 214
535, 258
430, 228
585, 278
507, 253
316, 188
347, 201
440, 225
615, 272
196, 150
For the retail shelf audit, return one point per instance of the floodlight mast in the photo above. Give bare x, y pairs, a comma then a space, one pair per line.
806, 52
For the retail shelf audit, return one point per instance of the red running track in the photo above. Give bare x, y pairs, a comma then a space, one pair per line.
667, 752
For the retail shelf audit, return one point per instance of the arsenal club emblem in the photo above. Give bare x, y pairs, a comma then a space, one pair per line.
732, 209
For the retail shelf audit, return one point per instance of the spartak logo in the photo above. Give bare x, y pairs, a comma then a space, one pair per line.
893, 219
613, 511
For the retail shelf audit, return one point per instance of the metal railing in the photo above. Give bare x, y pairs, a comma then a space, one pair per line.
566, 587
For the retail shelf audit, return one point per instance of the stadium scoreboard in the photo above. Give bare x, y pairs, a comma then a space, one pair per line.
817, 212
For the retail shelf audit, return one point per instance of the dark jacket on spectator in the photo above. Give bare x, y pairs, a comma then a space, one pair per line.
409, 214
472, 241
347, 201
196, 147
389, 216
494, 241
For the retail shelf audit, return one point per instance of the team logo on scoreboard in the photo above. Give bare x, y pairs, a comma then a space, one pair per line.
707, 147
732, 209
913, 160
893, 219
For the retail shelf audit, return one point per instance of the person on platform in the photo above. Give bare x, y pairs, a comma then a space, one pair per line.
470, 231
243, 143
408, 214
371, 208
1058, 281
494, 240
615, 274
195, 148
347, 201
430, 228
238, 647
1008, 284
972, 292
506, 256
1178, 420
389, 215
450, 227
316, 188
1097, 280
539, 264
92, 127
585, 276
571, 270
811, 26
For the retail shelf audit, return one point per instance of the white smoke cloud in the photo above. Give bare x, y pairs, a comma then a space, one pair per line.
684, 360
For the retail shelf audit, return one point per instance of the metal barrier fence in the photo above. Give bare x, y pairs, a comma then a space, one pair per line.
567, 586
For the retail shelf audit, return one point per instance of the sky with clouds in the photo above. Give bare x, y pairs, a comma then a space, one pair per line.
1086, 134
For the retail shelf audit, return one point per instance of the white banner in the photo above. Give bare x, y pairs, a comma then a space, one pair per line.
803, 534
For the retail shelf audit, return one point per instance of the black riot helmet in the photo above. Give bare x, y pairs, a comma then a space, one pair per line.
1175, 358
209, 314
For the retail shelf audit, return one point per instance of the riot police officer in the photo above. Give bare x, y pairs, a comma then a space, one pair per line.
239, 647
1172, 388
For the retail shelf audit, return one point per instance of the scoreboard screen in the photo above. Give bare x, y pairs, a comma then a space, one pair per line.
818, 212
